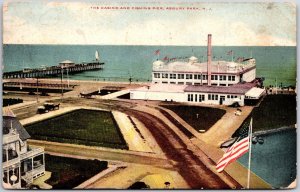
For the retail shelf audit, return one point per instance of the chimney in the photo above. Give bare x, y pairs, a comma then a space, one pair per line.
209, 60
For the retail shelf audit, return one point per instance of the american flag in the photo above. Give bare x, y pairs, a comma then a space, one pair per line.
239, 148
166, 58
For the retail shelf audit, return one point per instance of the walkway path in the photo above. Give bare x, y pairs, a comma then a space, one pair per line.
210, 141
124, 178
133, 139
223, 129
192, 162
114, 95
102, 153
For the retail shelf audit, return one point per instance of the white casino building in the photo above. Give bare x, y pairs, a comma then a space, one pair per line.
211, 82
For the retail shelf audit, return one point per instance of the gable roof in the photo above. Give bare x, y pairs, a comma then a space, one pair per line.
9, 121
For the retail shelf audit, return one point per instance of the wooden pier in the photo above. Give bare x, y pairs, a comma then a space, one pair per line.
53, 70
31, 86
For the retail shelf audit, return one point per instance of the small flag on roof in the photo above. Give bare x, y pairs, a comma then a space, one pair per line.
165, 58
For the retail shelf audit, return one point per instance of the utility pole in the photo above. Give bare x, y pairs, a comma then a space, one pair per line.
37, 89
61, 82
68, 76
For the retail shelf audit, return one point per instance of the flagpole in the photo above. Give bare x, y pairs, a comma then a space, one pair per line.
250, 146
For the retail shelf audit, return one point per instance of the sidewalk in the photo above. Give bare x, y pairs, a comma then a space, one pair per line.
131, 136
136, 172
189, 144
221, 131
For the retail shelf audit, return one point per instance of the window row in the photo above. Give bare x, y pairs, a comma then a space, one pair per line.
231, 96
195, 76
231, 78
196, 97
213, 97
200, 98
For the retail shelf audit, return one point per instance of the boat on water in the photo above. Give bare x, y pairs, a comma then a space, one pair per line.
97, 56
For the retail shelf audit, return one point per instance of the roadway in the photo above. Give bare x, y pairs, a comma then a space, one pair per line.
184, 157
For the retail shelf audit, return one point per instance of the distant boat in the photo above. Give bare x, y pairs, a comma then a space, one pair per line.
97, 56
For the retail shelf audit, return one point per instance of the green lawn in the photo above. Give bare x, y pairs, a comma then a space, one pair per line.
86, 127
68, 173
207, 117
275, 111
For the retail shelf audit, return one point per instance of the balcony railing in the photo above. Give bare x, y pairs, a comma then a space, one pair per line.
38, 171
9, 138
11, 162
32, 152
34, 173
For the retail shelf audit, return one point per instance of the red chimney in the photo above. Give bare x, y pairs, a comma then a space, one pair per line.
209, 60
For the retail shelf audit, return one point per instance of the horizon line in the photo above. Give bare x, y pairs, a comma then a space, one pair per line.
153, 45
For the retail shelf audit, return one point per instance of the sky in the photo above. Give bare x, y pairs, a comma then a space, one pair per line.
231, 24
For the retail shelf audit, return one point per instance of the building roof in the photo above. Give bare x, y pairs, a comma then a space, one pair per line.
9, 121
240, 88
159, 87
196, 67
255, 92
6, 111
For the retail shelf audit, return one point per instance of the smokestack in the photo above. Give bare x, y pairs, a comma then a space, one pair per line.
209, 60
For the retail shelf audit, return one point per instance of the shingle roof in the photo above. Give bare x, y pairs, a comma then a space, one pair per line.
240, 88
9, 122
159, 87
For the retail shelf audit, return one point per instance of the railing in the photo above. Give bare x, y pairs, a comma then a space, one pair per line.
38, 171
32, 152
9, 138
28, 177
33, 174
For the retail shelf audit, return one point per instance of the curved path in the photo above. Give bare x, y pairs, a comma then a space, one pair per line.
193, 170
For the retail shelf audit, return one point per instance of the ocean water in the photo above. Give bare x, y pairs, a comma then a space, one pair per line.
275, 160
123, 62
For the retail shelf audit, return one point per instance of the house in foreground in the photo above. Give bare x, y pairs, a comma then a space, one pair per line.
21, 163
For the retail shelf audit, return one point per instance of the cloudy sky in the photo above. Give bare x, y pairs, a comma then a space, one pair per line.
259, 24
